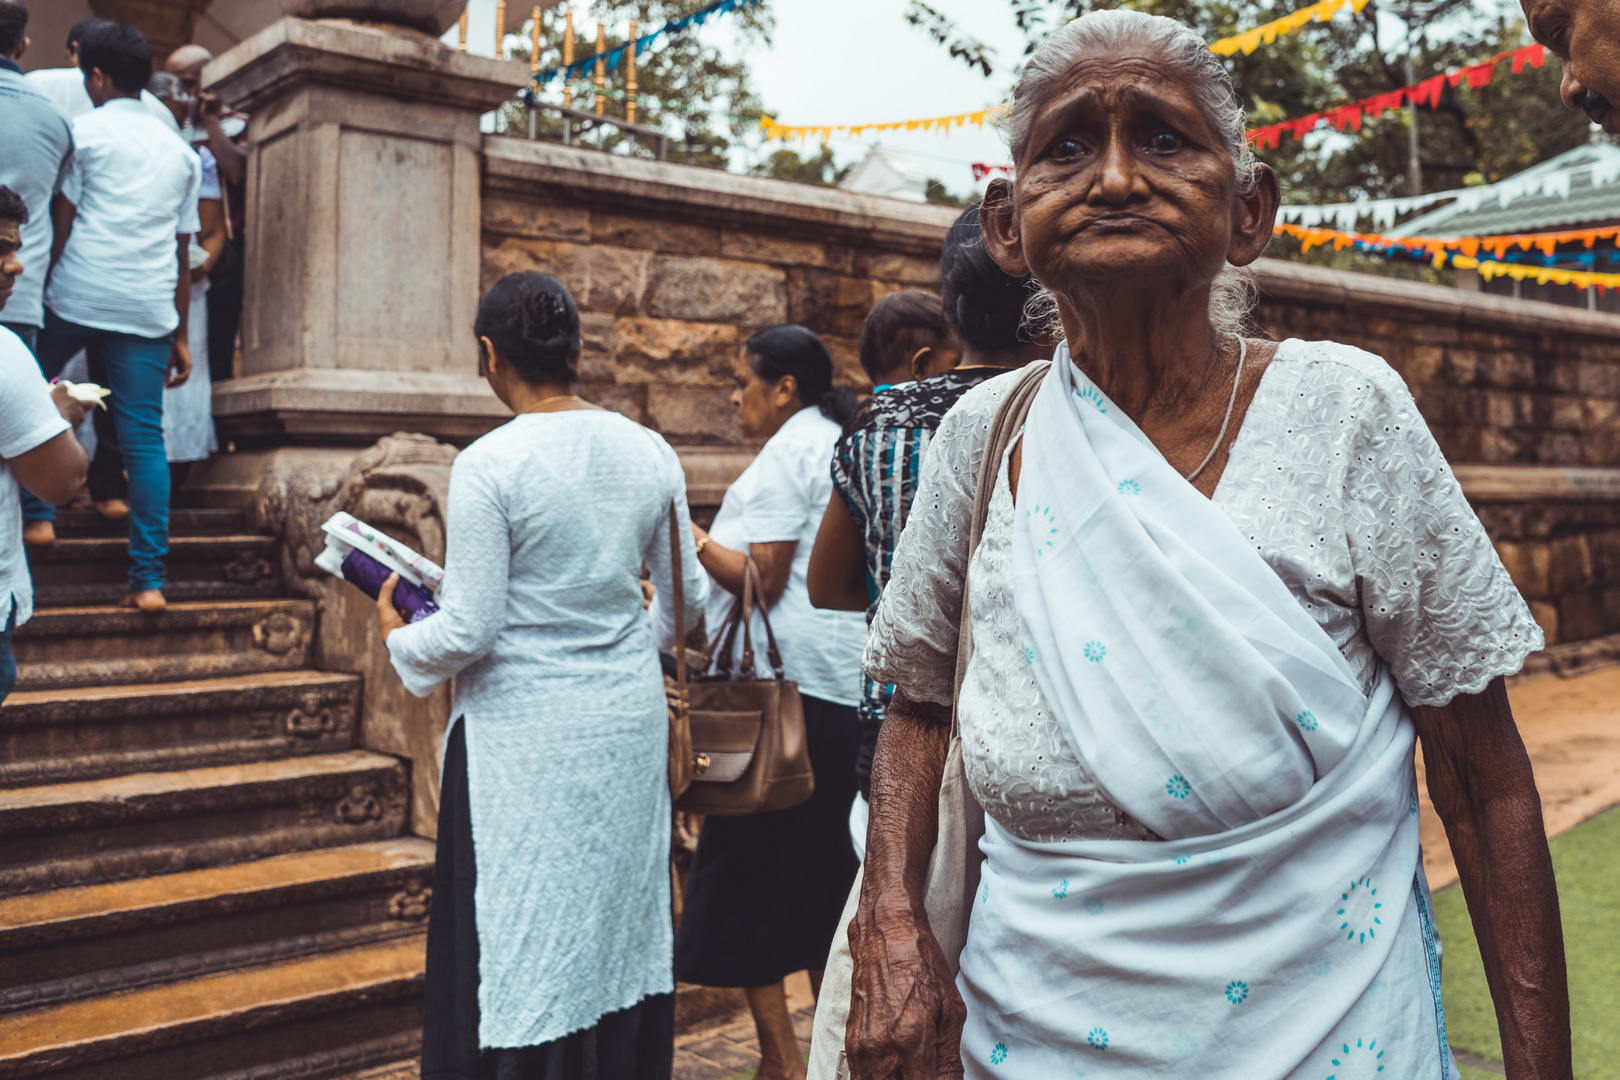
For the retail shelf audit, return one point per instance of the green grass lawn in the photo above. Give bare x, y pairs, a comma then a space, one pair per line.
1587, 862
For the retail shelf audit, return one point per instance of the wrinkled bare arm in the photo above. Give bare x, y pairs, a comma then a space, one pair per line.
1480, 779
905, 1019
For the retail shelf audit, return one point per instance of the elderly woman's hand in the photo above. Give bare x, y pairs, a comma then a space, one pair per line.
905, 1015
388, 618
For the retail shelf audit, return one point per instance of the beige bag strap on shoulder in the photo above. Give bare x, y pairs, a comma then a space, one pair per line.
953, 867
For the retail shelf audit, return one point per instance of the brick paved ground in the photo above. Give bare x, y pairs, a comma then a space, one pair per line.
729, 1051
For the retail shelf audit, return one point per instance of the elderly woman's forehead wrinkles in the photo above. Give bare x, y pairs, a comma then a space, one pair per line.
1088, 99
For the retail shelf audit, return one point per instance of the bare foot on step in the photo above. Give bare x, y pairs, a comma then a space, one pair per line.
148, 600
39, 533
112, 509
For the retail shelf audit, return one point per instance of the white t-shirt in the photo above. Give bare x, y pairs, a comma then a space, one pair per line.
28, 417
65, 86
135, 185
782, 496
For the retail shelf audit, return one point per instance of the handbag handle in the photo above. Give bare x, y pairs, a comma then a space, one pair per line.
742, 614
677, 586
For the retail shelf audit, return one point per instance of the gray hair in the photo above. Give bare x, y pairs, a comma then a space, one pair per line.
1185, 54
168, 87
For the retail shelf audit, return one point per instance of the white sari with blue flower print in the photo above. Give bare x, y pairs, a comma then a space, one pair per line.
1281, 929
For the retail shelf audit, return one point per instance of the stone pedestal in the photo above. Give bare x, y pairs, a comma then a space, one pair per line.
363, 234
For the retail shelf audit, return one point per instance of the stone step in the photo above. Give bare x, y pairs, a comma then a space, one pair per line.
312, 1018
61, 835
103, 645
92, 732
95, 569
69, 944
209, 521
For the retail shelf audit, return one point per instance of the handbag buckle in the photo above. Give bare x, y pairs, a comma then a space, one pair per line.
700, 764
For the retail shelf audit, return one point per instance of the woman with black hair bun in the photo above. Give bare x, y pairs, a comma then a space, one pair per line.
766, 891
554, 803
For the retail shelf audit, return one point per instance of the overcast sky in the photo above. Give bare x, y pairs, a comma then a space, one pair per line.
857, 61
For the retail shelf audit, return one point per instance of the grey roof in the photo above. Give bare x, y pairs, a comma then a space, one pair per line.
1541, 211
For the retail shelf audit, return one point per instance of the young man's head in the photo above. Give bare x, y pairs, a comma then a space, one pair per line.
13, 216
905, 337
1585, 36
115, 59
13, 21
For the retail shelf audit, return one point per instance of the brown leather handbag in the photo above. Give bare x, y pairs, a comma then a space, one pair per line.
749, 750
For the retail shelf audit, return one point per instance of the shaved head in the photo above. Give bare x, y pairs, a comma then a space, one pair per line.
187, 62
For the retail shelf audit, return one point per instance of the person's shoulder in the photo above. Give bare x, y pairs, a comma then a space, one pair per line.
19, 372
979, 404
1333, 362
1370, 394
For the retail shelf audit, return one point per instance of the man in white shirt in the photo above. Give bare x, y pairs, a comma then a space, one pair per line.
65, 85
36, 145
120, 275
37, 446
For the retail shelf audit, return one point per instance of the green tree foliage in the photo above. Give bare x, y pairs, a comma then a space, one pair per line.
691, 91
788, 164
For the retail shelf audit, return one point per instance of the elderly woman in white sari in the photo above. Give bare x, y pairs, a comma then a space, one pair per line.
1224, 586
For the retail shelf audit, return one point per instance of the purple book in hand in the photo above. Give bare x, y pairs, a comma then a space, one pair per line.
367, 574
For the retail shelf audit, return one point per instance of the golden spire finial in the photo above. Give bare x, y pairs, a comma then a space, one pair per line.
462, 36
601, 66
630, 61
534, 42
568, 57
500, 29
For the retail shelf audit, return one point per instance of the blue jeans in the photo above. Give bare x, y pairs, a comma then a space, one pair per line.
8, 665
136, 370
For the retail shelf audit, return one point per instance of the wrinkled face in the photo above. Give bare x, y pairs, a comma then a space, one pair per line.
1124, 178
10, 264
1585, 35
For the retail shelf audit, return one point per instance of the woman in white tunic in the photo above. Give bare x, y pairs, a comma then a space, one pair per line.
1223, 587
550, 941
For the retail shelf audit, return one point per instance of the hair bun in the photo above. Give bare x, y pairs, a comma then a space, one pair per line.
543, 316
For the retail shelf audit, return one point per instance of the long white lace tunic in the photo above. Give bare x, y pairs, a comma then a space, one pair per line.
1336, 480
551, 518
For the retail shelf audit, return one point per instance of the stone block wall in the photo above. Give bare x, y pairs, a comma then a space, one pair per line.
673, 268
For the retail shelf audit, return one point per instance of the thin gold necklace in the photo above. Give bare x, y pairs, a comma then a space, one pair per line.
1237, 379
546, 401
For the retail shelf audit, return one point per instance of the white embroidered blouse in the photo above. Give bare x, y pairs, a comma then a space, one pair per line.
1336, 480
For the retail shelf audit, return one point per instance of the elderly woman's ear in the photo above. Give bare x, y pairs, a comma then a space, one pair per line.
999, 220
1251, 232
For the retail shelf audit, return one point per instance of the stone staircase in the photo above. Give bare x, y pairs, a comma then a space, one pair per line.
201, 876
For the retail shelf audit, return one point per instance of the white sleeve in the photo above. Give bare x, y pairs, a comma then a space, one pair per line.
28, 416
472, 604
210, 175
693, 578
190, 224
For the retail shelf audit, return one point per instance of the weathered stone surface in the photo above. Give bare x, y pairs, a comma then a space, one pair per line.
597, 343
714, 290
693, 414
672, 236
604, 279
516, 255
752, 247
540, 220
672, 351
